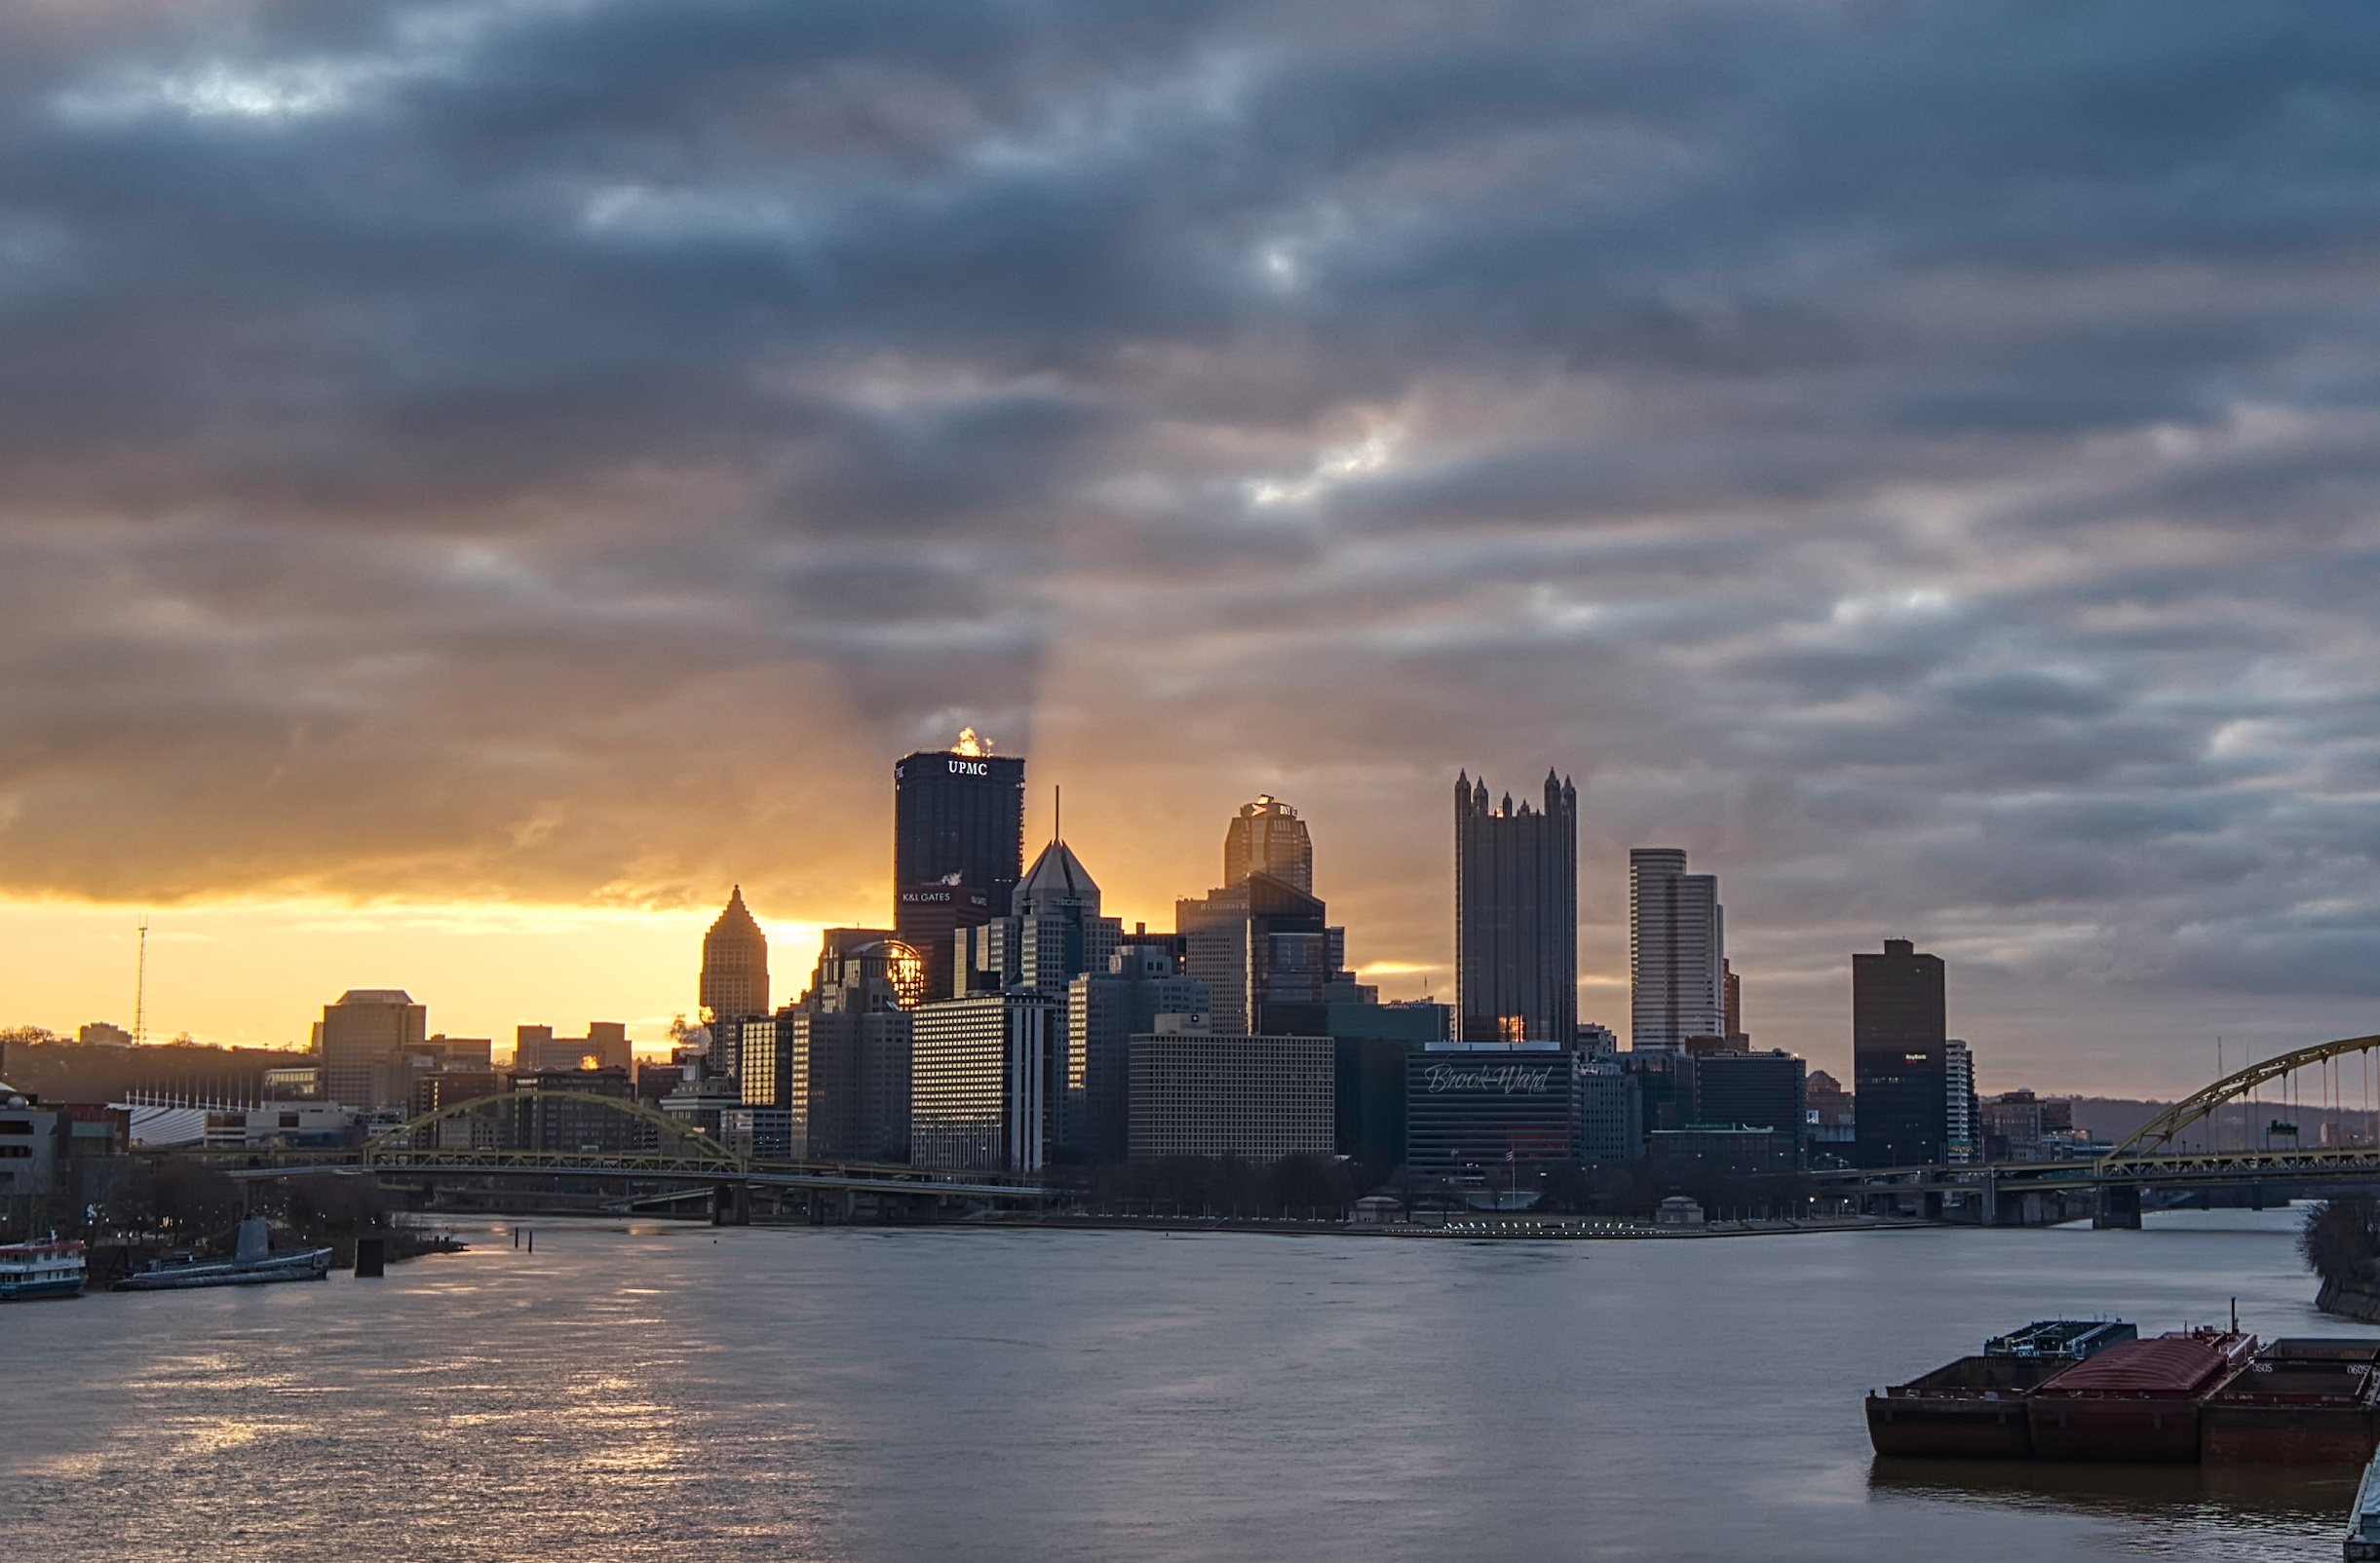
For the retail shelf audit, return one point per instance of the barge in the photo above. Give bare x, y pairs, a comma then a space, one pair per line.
2302, 1401
1975, 1408
2138, 1401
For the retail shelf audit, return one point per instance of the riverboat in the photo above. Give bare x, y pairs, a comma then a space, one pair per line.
1975, 1408
2302, 1401
2138, 1401
252, 1264
43, 1268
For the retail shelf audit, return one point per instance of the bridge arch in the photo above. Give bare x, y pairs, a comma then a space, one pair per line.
2159, 1132
400, 1139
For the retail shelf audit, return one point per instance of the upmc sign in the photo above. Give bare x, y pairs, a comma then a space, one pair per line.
969, 768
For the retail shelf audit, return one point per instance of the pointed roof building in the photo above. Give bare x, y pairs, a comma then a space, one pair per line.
1058, 885
735, 980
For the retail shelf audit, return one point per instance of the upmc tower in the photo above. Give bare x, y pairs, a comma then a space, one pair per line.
959, 811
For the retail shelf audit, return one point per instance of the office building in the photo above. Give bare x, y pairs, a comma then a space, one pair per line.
1611, 1110
1104, 1010
927, 918
986, 1081
1737, 1038
1054, 936
1725, 1149
1676, 952
735, 980
1483, 1113
1516, 915
1267, 955
1197, 1092
840, 1060
1899, 1065
536, 1049
549, 1111
1959, 1108
1266, 837
961, 812
1763, 1091
365, 1039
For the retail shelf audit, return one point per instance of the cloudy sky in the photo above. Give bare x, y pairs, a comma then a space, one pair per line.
476, 478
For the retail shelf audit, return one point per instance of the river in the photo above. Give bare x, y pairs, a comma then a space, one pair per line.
654, 1390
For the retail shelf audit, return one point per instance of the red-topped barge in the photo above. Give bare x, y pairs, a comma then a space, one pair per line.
2138, 1401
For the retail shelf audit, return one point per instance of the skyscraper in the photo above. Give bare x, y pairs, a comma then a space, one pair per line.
1261, 947
1676, 951
1267, 837
366, 1038
960, 812
1899, 1056
735, 980
1054, 935
928, 917
1516, 915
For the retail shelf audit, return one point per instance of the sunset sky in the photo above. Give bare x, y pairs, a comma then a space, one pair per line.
479, 478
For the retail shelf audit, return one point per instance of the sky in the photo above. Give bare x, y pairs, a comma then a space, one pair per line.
480, 478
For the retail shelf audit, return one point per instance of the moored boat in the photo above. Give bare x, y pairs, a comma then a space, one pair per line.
45, 1267
1975, 1407
252, 1264
2302, 1401
2137, 1401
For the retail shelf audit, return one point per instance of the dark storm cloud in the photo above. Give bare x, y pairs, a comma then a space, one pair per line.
1920, 455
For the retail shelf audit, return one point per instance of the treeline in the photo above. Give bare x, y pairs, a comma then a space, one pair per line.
1326, 1188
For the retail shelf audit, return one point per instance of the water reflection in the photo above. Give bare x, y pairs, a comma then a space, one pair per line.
2291, 1499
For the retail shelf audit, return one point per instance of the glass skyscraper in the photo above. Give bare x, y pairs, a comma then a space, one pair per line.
1899, 1051
959, 811
1517, 915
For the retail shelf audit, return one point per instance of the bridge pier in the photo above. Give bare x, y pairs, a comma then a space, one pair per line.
2118, 1208
731, 1205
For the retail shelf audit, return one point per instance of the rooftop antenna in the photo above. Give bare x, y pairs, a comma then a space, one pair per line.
140, 987
1058, 812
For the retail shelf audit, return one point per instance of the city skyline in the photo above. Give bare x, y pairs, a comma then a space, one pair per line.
1965, 537
1605, 996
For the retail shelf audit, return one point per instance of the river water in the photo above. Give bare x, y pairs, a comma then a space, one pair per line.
675, 1392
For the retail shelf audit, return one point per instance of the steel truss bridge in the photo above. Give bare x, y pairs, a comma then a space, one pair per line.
681, 1154
2151, 1157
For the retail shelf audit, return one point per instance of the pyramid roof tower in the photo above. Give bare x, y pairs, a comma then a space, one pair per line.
1057, 882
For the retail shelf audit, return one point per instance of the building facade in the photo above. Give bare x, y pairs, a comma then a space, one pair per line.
1515, 914
1267, 837
1476, 1112
1208, 1093
928, 918
365, 1040
960, 812
986, 1082
1104, 1011
1960, 1141
1267, 954
1764, 1091
1676, 951
1900, 1057
735, 980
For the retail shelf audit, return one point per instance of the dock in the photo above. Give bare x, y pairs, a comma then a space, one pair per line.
2364, 1525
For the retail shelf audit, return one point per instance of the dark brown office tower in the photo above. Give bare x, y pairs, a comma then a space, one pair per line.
1257, 945
1268, 838
735, 980
1517, 915
1900, 1070
926, 916
960, 812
